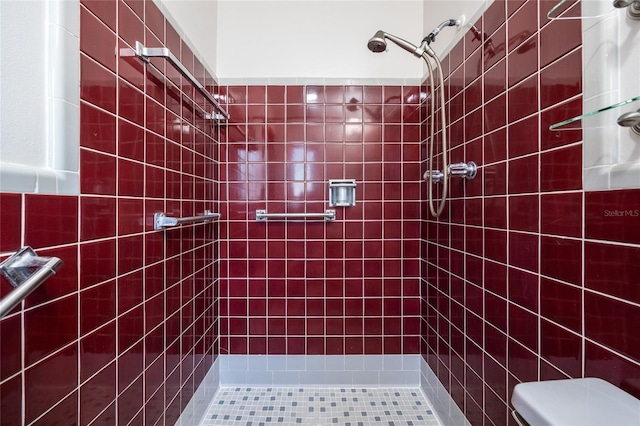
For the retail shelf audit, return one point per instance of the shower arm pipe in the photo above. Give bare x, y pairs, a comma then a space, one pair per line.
436, 212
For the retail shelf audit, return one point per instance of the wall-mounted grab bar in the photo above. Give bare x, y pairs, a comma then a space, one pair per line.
161, 221
263, 216
145, 53
25, 271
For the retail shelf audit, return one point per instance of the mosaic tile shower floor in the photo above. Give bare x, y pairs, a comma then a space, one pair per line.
258, 406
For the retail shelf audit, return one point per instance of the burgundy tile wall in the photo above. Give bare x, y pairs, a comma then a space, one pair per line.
345, 287
126, 331
525, 276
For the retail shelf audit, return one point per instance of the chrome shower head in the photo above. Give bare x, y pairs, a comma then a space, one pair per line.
377, 43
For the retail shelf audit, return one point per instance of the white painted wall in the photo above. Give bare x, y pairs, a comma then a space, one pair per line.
313, 40
197, 22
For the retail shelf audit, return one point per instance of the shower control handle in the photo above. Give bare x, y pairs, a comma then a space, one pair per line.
436, 176
463, 170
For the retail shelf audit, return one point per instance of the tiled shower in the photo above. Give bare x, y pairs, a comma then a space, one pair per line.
525, 277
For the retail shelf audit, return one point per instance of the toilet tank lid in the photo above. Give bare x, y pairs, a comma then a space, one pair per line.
579, 402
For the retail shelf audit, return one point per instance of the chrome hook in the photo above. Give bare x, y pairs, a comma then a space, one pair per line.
631, 119
633, 6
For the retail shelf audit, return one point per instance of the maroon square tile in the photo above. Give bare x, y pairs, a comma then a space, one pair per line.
277, 345
523, 363
495, 244
612, 216
104, 10
97, 217
553, 46
130, 141
49, 382
130, 252
130, 178
523, 327
523, 137
524, 213
130, 328
494, 17
561, 169
97, 262
97, 350
610, 366
523, 174
155, 117
561, 112
60, 412
609, 322
131, 102
553, 90
97, 173
521, 99
130, 216
97, 306
130, 291
561, 214
10, 221
495, 376
97, 393
47, 219
495, 80
493, 46
11, 346
495, 113
154, 19
473, 124
130, 27
611, 269
523, 60
97, 129
473, 100
132, 399
474, 38
523, 250
561, 258
11, 402
97, 40
521, 23
561, 303
494, 176
561, 348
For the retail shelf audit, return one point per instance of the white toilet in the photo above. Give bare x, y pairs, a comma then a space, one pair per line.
574, 402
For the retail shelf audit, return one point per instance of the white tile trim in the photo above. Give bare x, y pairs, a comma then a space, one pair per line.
320, 370
443, 405
197, 407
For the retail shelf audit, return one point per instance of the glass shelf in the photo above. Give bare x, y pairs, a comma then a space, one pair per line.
591, 114
564, 5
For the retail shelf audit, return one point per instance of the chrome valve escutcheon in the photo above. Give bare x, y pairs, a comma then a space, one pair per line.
463, 170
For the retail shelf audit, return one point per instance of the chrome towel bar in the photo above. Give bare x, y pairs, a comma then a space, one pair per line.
263, 216
26, 271
145, 53
161, 221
